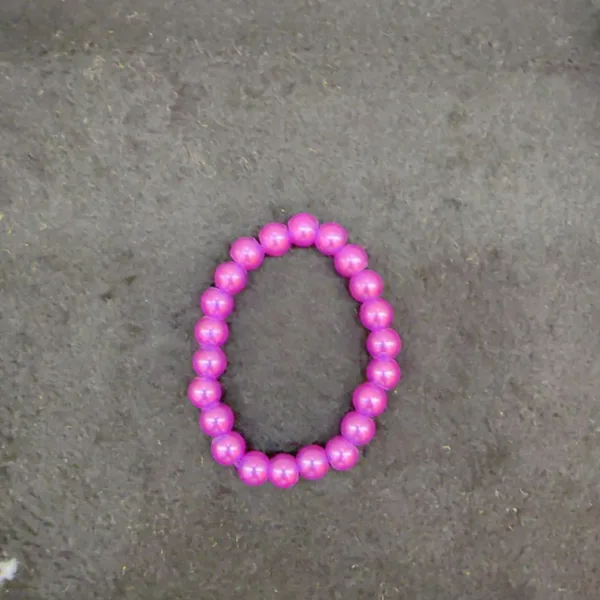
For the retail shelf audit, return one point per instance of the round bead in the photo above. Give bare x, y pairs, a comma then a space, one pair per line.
203, 393
366, 285
369, 400
351, 259
253, 468
283, 471
217, 420
303, 229
231, 277
216, 303
331, 238
228, 448
211, 332
358, 429
384, 372
247, 253
209, 362
275, 239
376, 314
341, 454
312, 462
384, 343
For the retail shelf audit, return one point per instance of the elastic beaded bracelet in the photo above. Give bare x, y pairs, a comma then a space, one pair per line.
369, 399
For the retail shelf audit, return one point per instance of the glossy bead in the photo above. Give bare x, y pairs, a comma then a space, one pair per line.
351, 259
283, 471
209, 362
384, 372
331, 238
357, 428
211, 332
341, 454
227, 449
369, 399
216, 303
253, 468
217, 420
303, 229
312, 462
231, 277
247, 253
366, 285
384, 343
275, 239
203, 393
376, 314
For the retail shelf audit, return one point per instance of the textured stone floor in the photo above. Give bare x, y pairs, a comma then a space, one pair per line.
458, 140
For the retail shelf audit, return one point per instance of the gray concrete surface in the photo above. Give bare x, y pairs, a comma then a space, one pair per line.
458, 140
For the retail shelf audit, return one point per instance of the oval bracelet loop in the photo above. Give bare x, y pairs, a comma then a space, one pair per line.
209, 361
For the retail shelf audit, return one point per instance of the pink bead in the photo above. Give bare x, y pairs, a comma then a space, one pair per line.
203, 393
331, 238
384, 372
366, 285
209, 362
312, 462
303, 229
376, 314
211, 332
253, 468
217, 420
351, 259
275, 239
341, 454
358, 429
216, 303
231, 277
283, 471
228, 448
384, 343
369, 400
247, 253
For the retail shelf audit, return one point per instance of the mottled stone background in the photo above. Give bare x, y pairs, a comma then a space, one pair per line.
458, 140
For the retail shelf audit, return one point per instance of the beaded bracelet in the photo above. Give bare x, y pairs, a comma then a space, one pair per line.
369, 399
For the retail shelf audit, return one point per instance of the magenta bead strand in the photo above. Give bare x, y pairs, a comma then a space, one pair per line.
211, 331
